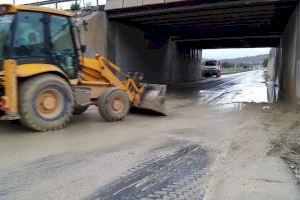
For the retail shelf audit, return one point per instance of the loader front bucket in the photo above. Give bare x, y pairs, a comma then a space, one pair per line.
153, 99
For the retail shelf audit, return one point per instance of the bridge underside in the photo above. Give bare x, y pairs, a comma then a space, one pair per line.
212, 24
164, 39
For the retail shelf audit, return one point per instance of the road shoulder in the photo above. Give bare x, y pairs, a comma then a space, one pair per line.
245, 171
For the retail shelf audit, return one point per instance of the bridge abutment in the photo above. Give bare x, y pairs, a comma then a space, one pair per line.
158, 57
287, 67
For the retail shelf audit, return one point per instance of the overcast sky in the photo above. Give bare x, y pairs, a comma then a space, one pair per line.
217, 53
233, 53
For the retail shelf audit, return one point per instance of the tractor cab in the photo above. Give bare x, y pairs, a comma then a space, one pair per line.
37, 36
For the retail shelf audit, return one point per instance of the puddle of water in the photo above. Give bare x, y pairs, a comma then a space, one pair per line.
250, 89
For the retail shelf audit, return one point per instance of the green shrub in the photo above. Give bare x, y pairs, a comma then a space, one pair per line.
75, 7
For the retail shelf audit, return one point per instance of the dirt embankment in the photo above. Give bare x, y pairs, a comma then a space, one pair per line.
283, 126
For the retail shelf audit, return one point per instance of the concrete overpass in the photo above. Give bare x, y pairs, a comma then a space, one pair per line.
209, 24
164, 38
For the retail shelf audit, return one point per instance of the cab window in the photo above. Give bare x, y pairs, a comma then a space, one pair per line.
29, 36
62, 44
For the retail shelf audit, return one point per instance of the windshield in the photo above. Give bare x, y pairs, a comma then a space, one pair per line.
5, 25
210, 63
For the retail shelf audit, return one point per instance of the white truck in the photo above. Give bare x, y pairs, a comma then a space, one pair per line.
212, 67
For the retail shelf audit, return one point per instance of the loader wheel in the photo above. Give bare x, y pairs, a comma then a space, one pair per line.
46, 103
113, 105
78, 110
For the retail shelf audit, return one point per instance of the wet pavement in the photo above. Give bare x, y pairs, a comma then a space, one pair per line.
230, 92
143, 157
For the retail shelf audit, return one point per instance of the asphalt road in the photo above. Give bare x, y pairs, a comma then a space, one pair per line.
142, 157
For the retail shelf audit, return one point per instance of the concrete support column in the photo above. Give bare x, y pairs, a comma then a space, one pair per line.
185, 64
137, 51
159, 58
288, 68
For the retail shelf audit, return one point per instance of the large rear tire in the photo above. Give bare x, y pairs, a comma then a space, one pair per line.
113, 105
46, 103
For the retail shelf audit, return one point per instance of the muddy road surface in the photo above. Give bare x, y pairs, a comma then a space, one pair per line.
212, 145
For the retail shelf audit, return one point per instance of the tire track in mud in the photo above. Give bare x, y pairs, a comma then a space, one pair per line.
178, 175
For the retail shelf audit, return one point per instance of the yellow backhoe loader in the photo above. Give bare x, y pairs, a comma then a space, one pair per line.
45, 79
